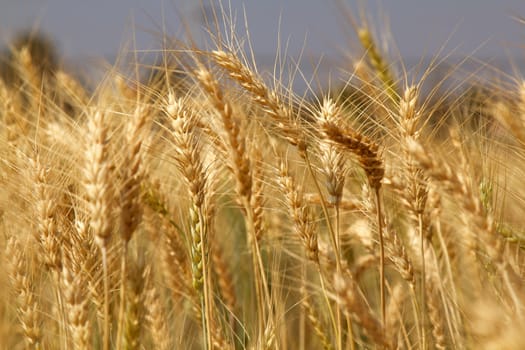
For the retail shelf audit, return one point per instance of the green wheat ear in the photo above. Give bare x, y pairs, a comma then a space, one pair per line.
379, 63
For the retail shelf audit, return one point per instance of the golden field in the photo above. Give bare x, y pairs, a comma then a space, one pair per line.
202, 203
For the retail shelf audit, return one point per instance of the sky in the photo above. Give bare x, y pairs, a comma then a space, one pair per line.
95, 28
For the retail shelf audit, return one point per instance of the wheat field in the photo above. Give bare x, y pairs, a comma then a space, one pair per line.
202, 203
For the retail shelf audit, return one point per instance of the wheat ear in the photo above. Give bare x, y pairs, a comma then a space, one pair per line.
130, 201
299, 212
414, 194
378, 62
354, 304
282, 116
240, 163
28, 307
156, 317
187, 154
100, 196
367, 153
315, 321
79, 266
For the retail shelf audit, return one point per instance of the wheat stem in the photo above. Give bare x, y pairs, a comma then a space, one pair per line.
106, 336
123, 283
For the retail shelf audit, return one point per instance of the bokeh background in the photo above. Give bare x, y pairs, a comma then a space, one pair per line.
486, 30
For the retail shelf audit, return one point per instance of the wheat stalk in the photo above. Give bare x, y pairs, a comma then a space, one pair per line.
187, 153
130, 201
99, 192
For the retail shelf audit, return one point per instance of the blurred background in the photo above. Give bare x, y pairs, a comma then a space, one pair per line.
486, 30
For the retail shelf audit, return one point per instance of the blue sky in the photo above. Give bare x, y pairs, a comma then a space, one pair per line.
419, 27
